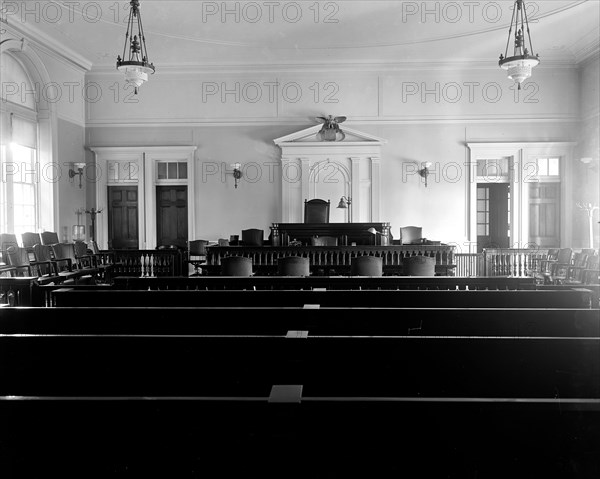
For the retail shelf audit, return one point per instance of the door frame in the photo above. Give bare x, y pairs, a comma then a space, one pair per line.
520, 175
145, 158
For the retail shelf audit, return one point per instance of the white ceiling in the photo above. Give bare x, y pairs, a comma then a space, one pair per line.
194, 33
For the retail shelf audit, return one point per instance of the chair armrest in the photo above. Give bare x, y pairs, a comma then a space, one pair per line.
62, 260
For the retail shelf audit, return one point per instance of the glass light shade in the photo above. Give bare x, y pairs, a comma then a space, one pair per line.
519, 68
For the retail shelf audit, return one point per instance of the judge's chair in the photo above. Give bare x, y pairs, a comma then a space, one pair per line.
411, 235
316, 211
236, 266
367, 266
197, 255
293, 266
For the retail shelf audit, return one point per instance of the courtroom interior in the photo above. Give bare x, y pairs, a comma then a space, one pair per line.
300, 239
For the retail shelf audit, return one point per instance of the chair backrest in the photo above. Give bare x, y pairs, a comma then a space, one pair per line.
17, 256
293, 266
316, 211
80, 248
94, 247
30, 239
367, 266
49, 237
197, 248
564, 255
42, 252
411, 234
64, 251
253, 237
324, 241
236, 266
8, 240
419, 265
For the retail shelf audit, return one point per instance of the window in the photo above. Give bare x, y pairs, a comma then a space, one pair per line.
19, 166
171, 170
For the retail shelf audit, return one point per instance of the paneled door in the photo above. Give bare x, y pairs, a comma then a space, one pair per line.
544, 214
171, 216
123, 227
493, 216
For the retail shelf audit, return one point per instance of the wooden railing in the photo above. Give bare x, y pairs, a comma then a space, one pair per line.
332, 256
136, 262
512, 261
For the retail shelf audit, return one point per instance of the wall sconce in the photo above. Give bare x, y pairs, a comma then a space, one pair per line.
73, 173
346, 202
424, 171
237, 173
590, 163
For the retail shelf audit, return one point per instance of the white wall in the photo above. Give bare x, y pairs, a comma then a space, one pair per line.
419, 112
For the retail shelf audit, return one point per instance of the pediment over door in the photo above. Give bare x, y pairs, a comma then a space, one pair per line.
311, 168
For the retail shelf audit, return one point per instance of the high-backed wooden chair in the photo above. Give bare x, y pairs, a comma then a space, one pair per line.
411, 234
367, 266
293, 266
236, 266
253, 237
316, 210
197, 255
419, 265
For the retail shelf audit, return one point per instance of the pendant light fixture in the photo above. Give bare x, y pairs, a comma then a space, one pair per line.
523, 59
136, 67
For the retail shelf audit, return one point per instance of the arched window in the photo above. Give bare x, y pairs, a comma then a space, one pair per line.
19, 156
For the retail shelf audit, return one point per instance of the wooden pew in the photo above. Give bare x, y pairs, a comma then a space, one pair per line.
368, 407
574, 298
495, 322
329, 282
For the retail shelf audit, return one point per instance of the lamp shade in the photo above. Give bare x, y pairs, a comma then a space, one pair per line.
343, 203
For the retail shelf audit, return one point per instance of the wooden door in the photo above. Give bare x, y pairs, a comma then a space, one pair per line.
123, 225
171, 216
544, 214
493, 215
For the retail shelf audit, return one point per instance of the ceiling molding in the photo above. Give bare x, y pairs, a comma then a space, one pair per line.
414, 120
47, 45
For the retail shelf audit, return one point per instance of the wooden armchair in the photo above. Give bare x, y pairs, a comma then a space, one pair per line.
21, 265
65, 253
43, 255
